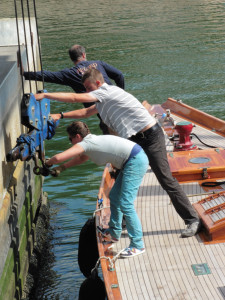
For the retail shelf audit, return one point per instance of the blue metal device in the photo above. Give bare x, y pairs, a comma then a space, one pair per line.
35, 115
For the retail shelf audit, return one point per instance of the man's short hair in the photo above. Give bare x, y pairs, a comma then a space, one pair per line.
75, 52
78, 127
93, 75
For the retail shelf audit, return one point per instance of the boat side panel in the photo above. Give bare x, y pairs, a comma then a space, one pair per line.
195, 116
102, 219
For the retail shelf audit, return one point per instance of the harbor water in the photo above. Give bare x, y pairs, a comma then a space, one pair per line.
166, 48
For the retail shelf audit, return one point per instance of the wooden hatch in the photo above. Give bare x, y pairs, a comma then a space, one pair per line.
212, 213
197, 165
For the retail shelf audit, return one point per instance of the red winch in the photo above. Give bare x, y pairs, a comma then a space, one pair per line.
184, 130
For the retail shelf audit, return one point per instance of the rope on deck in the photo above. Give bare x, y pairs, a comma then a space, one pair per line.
111, 261
99, 209
200, 194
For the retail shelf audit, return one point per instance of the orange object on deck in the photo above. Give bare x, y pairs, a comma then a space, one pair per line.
197, 164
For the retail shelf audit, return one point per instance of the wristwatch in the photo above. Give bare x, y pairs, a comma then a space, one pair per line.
62, 116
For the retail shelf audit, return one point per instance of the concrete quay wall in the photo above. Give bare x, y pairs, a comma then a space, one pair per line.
20, 190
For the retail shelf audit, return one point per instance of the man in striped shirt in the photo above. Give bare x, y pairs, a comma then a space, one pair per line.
126, 116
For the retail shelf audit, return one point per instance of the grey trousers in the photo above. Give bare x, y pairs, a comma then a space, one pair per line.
153, 143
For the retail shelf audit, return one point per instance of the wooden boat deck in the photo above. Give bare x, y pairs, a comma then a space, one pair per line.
166, 269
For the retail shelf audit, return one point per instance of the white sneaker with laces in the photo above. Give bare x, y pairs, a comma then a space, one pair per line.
130, 252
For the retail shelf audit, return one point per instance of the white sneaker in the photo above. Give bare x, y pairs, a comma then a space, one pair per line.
130, 252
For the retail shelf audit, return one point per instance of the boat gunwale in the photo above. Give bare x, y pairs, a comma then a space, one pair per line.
109, 274
191, 114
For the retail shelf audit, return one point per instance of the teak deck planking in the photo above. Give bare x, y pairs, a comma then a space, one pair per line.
165, 270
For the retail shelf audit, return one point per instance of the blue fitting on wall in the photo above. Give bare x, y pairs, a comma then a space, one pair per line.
35, 115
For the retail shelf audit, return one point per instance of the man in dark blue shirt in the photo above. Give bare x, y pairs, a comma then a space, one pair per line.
72, 76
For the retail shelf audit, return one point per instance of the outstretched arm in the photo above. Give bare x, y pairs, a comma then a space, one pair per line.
75, 154
64, 77
77, 114
114, 74
67, 97
48, 76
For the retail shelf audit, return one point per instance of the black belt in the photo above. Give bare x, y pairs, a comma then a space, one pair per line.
148, 131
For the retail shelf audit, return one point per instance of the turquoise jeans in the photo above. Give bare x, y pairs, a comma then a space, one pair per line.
122, 197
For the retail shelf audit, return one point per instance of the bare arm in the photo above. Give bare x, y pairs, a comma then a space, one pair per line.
77, 114
75, 153
76, 161
67, 97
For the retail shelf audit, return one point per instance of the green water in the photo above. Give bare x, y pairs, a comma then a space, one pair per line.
164, 48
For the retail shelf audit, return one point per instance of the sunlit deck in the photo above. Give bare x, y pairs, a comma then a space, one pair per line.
172, 267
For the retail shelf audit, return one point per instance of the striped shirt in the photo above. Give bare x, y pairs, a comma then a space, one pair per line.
121, 111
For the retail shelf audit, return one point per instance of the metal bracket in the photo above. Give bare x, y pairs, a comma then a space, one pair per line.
205, 174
